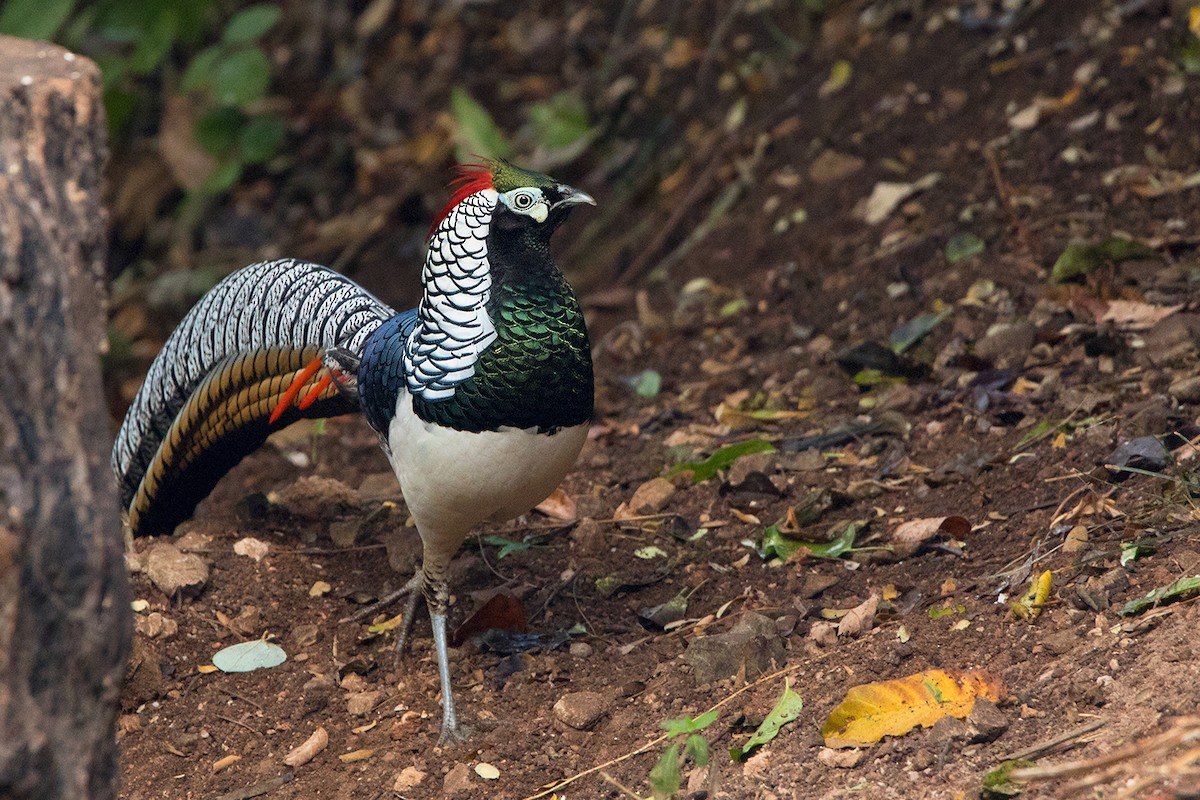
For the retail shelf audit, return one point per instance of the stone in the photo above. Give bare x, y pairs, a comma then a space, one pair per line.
1186, 390
143, 676
358, 705
175, 572
652, 496
317, 693
409, 778
588, 537
154, 625
315, 497
840, 759
344, 532
831, 166
580, 710
251, 548
753, 643
1007, 344
948, 730
457, 780
986, 723
1096, 593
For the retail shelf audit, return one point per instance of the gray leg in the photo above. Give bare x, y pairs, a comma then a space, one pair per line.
410, 610
450, 730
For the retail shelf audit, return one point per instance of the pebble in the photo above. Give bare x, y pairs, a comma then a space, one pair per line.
359, 704
580, 649
174, 571
409, 778
1186, 390
652, 496
754, 643
457, 780
588, 537
986, 722
316, 497
580, 710
155, 625
1007, 344
840, 759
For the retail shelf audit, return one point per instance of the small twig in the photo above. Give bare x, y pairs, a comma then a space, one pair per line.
1184, 730
1004, 190
258, 789
1044, 747
620, 786
237, 696
238, 722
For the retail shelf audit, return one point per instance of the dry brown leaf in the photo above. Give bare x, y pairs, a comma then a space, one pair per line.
1133, 315
893, 708
190, 163
308, 751
860, 619
909, 536
356, 755
559, 505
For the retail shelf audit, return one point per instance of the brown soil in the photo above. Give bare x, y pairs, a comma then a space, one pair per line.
922, 98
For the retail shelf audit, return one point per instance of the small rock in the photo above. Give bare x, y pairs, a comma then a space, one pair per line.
580, 649
194, 542
315, 497
305, 634
823, 633
580, 710
1172, 340
923, 759
1097, 592
753, 643
403, 550
317, 693
1007, 344
986, 722
1186, 390
379, 487
251, 548
344, 532
409, 778
248, 621
457, 780
1077, 539
757, 764
1144, 452
589, 537
948, 730
359, 704
154, 625
840, 759
143, 677
652, 496
831, 166
173, 571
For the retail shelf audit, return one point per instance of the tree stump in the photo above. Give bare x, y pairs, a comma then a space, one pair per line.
64, 596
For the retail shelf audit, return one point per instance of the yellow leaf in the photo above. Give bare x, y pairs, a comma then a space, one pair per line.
893, 708
357, 755
1194, 20
205, 669
387, 625
1029, 607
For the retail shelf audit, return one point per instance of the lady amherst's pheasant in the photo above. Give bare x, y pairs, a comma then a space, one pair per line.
481, 395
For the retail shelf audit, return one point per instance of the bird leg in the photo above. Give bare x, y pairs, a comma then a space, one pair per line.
437, 598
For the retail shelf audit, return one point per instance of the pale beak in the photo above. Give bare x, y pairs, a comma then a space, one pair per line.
572, 196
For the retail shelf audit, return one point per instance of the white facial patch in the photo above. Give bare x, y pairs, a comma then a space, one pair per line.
528, 201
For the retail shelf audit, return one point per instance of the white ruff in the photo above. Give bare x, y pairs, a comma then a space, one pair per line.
453, 480
455, 327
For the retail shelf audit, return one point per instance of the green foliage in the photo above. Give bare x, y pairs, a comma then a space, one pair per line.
666, 777
1078, 260
722, 459
786, 709
775, 545
646, 383
478, 133
34, 19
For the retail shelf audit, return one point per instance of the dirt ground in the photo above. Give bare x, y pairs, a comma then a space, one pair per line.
1073, 124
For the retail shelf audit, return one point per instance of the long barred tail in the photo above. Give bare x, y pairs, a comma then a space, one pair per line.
208, 398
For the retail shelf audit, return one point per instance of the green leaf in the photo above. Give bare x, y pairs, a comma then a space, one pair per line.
241, 77
679, 727
665, 778
1077, 260
938, 613
200, 70
962, 246
1173, 591
478, 134
249, 656
722, 459
696, 748
646, 383
156, 41
251, 23
507, 546
1130, 551
560, 121
916, 329
34, 19
875, 377
217, 130
786, 709
775, 545
997, 784
224, 178
261, 137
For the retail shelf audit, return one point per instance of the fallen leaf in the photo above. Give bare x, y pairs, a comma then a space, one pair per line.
1184, 587
886, 196
319, 589
487, 771
1133, 315
222, 763
775, 545
206, 669
559, 505
721, 459
1029, 607
1078, 260
786, 709
503, 612
308, 751
356, 755
839, 76
908, 537
893, 708
860, 619
249, 656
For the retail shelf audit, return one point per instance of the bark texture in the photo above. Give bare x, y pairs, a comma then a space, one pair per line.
64, 597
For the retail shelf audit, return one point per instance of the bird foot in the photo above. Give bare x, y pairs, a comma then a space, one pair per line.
412, 590
452, 736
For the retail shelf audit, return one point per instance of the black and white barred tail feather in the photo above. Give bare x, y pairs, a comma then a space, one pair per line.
206, 401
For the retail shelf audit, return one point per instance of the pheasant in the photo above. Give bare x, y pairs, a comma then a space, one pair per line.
481, 395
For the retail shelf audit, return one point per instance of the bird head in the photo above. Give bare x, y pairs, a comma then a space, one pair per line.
526, 200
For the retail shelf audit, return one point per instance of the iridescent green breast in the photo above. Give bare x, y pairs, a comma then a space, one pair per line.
538, 371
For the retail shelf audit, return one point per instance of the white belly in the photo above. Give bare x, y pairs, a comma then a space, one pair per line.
453, 480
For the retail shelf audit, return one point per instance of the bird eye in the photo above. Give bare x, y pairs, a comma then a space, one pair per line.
523, 200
